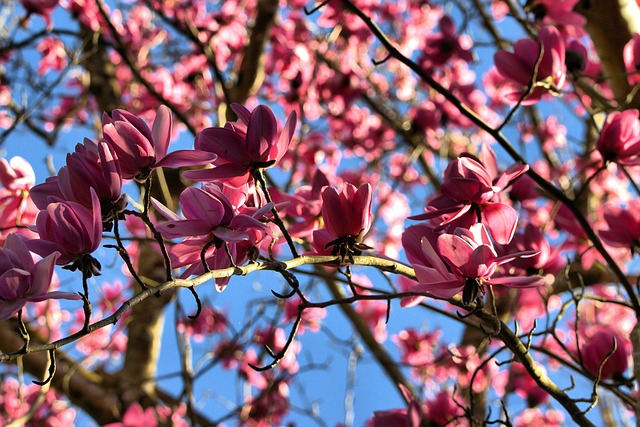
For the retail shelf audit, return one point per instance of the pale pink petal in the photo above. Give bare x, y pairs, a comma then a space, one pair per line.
501, 220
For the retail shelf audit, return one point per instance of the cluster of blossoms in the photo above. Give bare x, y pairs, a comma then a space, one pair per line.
454, 250
469, 240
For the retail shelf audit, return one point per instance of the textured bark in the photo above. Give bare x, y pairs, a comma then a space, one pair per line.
611, 24
85, 389
251, 71
101, 81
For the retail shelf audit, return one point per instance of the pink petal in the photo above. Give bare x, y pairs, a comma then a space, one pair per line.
184, 158
161, 131
501, 220
224, 142
261, 133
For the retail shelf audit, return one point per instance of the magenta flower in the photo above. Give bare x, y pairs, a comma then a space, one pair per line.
16, 207
598, 347
209, 212
519, 66
471, 262
22, 280
619, 139
347, 218
91, 166
140, 149
632, 59
624, 225
471, 193
441, 47
211, 222
71, 229
252, 142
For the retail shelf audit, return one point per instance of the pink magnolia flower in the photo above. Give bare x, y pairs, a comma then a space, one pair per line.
22, 280
472, 192
598, 347
347, 218
211, 222
619, 139
441, 47
632, 59
471, 262
71, 229
91, 166
559, 12
140, 149
41, 7
16, 207
624, 225
250, 143
54, 56
519, 66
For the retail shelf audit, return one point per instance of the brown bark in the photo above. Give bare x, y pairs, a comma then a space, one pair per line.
611, 24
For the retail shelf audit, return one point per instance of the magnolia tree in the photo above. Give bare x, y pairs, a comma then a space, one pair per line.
357, 162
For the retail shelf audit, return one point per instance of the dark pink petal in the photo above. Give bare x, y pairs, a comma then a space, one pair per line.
461, 189
261, 133
334, 212
244, 115
513, 68
14, 284
42, 194
233, 175
227, 144
161, 131
42, 274
185, 158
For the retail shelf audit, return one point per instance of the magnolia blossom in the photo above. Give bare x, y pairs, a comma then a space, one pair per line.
471, 192
22, 280
632, 59
140, 149
441, 47
463, 262
250, 143
601, 345
347, 218
619, 139
91, 166
71, 229
211, 223
624, 225
520, 66
16, 207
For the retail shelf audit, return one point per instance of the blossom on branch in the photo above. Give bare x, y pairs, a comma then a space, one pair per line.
347, 218
462, 262
212, 226
251, 143
140, 149
519, 66
472, 192
72, 230
22, 280
619, 139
